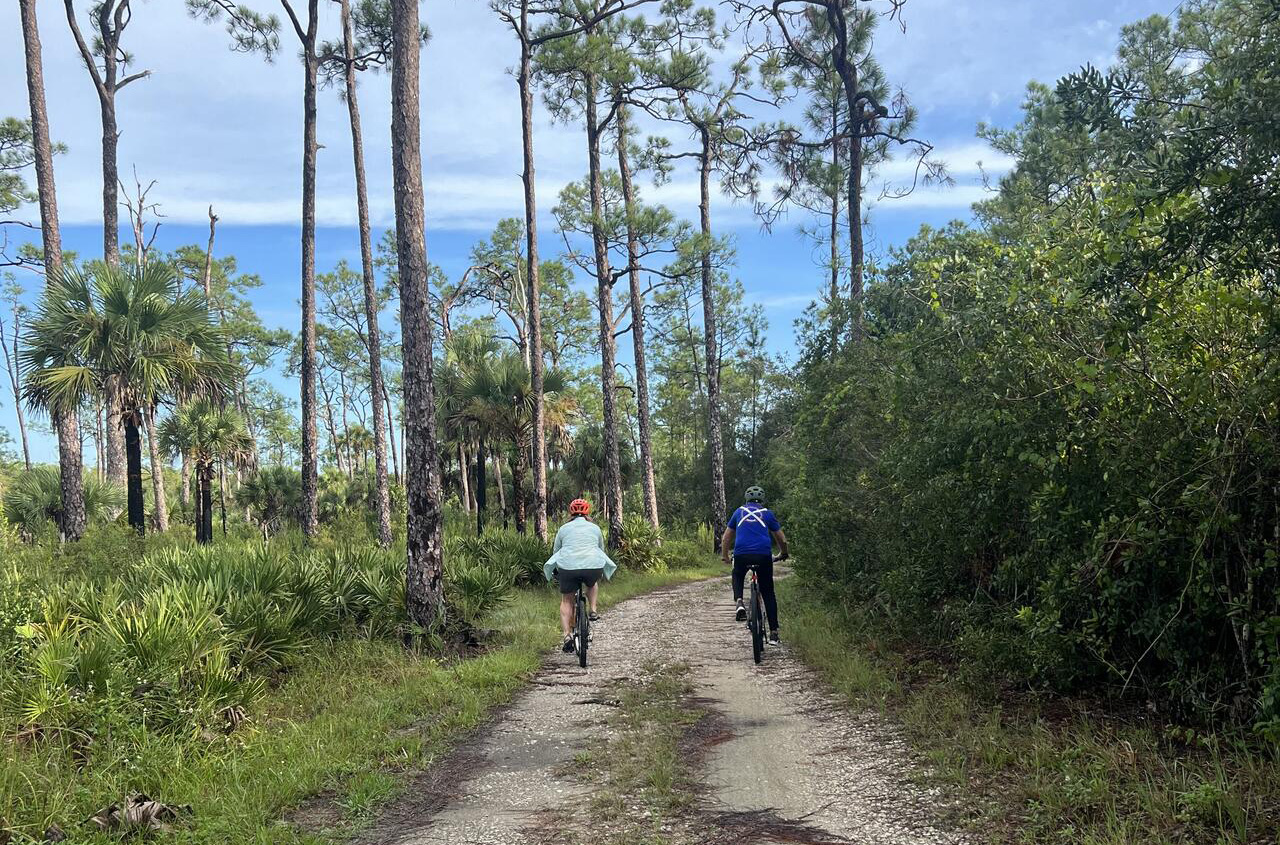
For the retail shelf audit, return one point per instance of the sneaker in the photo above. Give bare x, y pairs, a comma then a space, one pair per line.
741, 614
567, 648
773, 638
593, 616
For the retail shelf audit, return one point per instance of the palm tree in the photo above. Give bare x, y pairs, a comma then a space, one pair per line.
132, 329
466, 350
584, 461
501, 400
208, 433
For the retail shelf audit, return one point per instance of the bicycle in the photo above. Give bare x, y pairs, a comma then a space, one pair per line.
582, 626
756, 615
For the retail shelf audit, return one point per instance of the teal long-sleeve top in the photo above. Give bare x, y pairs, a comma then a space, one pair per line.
579, 545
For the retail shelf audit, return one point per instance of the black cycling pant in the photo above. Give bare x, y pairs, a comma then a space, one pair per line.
569, 579
764, 576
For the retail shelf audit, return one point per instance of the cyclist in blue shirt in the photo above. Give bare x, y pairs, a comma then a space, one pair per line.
752, 531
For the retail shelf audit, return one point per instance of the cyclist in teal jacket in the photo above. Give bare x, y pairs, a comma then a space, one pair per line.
579, 558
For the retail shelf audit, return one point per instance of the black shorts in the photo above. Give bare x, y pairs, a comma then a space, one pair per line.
569, 579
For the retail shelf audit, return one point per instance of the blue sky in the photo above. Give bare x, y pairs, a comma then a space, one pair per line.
216, 127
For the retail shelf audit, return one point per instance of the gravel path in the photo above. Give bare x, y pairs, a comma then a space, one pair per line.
794, 761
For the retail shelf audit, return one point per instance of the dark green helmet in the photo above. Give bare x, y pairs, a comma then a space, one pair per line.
755, 494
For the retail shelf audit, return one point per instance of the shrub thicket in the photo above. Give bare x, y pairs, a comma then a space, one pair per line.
1055, 447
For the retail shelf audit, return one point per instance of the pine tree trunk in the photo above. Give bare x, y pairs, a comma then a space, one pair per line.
310, 458
391, 432
714, 442
133, 463
424, 589
834, 234
373, 337
604, 303
70, 463
637, 328
533, 281
161, 507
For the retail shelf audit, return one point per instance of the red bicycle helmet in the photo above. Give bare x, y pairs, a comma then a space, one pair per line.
579, 507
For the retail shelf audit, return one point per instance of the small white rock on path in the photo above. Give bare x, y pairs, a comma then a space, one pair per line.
795, 754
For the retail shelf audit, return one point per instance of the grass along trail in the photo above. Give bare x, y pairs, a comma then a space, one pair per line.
671, 735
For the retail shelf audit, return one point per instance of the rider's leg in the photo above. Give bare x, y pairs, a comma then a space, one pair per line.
592, 594
740, 567
566, 613
764, 574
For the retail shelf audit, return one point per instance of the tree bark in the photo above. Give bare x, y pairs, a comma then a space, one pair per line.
184, 490
133, 460
106, 83
517, 486
204, 530
714, 443
502, 488
604, 302
310, 462
372, 337
637, 328
161, 507
847, 69
482, 495
113, 423
463, 483
70, 464
391, 433
533, 281
424, 589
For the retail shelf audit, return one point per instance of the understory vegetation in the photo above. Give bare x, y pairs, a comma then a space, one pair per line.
1042, 484
1023, 768
243, 677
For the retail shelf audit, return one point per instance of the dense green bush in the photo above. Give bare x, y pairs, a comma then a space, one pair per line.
1055, 447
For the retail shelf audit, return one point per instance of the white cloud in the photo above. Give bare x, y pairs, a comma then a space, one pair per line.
214, 126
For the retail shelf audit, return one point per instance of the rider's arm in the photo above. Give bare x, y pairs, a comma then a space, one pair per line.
726, 544
781, 540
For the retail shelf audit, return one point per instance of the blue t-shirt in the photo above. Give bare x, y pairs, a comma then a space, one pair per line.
752, 524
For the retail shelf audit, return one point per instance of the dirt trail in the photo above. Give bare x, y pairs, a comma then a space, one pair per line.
788, 764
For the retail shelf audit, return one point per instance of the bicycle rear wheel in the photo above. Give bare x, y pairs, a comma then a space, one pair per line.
756, 624
584, 628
